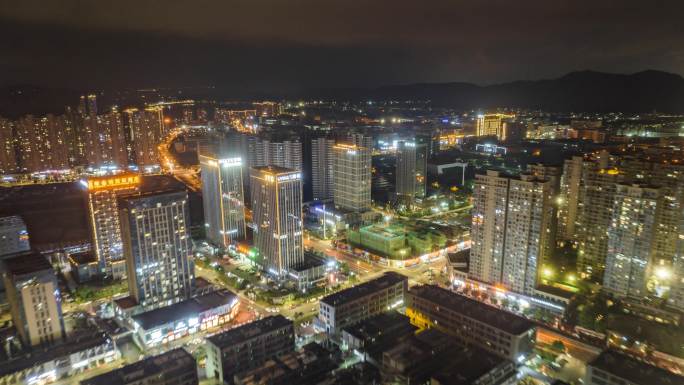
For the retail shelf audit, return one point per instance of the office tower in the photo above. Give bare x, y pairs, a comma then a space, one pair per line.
360, 140
277, 216
102, 195
568, 198
631, 239
352, 174
145, 130
511, 229
322, 168
594, 218
492, 125
8, 159
411, 170
223, 199
14, 237
34, 298
92, 104
154, 229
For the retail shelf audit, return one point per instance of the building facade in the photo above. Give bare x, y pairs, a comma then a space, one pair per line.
411, 170
157, 247
174, 367
14, 237
352, 174
360, 302
223, 199
248, 346
102, 194
34, 298
277, 216
322, 168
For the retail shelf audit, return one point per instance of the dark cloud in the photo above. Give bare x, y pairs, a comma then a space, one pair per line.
292, 44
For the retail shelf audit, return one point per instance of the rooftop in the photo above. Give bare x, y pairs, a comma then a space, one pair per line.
633, 370
81, 258
39, 355
27, 263
468, 365
274, 169
245, 332
126, 302
183, 310
471, 308
385, 324
148, 367
388, 279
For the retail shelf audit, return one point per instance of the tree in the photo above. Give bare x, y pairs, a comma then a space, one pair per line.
558, 346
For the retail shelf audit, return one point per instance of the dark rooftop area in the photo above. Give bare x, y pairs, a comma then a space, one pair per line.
468, 365
635, 371
354, 293
274, 169
126, 302
184, 309
471, 308
141, 370
83, 257
245, 332
39, 355
27, 263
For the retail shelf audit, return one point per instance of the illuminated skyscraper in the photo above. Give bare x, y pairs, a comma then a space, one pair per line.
411, 170
568, 198
92, 104
34, 298
352, 177
42, 143
277, 215
105, 228
157, 247
631, 240
510, 229
105, 140
8, 160
322, 168
223, 199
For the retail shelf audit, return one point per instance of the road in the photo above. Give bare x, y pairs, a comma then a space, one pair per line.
171, 166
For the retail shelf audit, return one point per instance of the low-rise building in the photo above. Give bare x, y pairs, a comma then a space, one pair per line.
175, 367
360, 302
310, 273
310, 365
45, 365
172, 322
471, 321
613, 368
84, 266
248, 346
370, 338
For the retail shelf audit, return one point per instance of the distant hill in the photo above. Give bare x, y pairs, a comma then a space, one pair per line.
582, 91
586, 91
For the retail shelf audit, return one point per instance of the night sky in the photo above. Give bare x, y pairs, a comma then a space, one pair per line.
289, 45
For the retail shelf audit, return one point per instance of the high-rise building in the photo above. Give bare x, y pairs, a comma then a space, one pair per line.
266, 109
92, 104
492, 125
154, 229
631, 239
277, 216
352, 174
360, 140
41, 143
8, 159
322, 168
594, 218
14, 237
145, 129
34, 298
102, 194
411, 170
223, 199
105, 140
568, 198
511, 229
